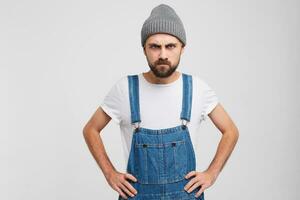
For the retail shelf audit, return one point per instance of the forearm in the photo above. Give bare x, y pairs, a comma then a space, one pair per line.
96, 147
225, 148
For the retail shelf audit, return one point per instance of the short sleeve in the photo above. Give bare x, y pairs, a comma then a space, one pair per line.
210, 100
112, 103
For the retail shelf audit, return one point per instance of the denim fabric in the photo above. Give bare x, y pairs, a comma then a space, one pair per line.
160, 158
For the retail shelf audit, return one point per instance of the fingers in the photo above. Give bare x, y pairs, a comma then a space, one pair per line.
129, 186
194, 182
190, 183
197, 184
191, 173
129, 176
120, 183
121, 193
126, 186
200, 191
125, 189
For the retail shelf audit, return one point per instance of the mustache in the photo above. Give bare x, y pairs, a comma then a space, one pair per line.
162, 62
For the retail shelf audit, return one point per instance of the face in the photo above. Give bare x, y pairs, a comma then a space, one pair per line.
163, 53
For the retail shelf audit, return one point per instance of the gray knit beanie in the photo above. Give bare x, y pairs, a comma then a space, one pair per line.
163, 19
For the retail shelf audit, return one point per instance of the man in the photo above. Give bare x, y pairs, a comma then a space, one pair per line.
161, 161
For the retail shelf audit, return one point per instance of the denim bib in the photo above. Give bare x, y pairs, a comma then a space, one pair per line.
160, 158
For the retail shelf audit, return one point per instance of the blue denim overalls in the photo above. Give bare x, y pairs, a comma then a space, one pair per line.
160, 158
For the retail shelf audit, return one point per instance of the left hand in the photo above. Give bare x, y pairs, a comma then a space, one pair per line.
204, 179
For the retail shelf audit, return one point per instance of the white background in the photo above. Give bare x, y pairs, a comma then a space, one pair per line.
58, 59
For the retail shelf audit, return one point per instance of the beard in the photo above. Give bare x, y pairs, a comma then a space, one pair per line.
163, 71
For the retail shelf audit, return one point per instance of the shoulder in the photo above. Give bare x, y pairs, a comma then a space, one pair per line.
199, 81
117, 90
121, 82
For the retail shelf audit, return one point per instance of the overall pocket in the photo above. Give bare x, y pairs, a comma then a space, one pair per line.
161, 163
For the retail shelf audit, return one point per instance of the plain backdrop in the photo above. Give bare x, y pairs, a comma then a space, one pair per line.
58, 59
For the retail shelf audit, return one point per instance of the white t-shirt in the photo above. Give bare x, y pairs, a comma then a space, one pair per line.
160, 107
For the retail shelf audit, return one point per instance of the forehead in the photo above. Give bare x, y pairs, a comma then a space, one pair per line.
162, 38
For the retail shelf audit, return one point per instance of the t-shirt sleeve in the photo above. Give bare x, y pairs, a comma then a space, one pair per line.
210, 100
112, 103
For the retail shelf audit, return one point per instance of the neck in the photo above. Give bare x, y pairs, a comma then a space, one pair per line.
149, 76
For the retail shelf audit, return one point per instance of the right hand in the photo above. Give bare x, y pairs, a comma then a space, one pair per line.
119, 183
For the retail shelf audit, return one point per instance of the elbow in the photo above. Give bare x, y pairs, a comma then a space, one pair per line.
232, 133
236, 134
88, 130
85, 130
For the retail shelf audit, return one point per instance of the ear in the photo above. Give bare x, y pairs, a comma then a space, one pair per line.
182, 50
144, 50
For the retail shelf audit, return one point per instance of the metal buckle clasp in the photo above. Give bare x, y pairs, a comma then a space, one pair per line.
136, 126
182, 122
184, 125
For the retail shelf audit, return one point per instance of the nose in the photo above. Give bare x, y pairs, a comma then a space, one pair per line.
163, 54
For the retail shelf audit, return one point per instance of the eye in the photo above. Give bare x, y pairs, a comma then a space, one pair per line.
154, 46
171, 46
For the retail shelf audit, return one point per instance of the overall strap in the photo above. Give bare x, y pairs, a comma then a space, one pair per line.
187, 95
133, 89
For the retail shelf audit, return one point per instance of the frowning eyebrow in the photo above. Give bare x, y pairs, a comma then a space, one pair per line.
158, 45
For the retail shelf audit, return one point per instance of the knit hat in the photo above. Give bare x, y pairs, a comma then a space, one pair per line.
163, 19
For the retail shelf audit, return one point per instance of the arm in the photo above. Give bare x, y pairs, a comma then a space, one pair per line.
91, 132
230, 135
